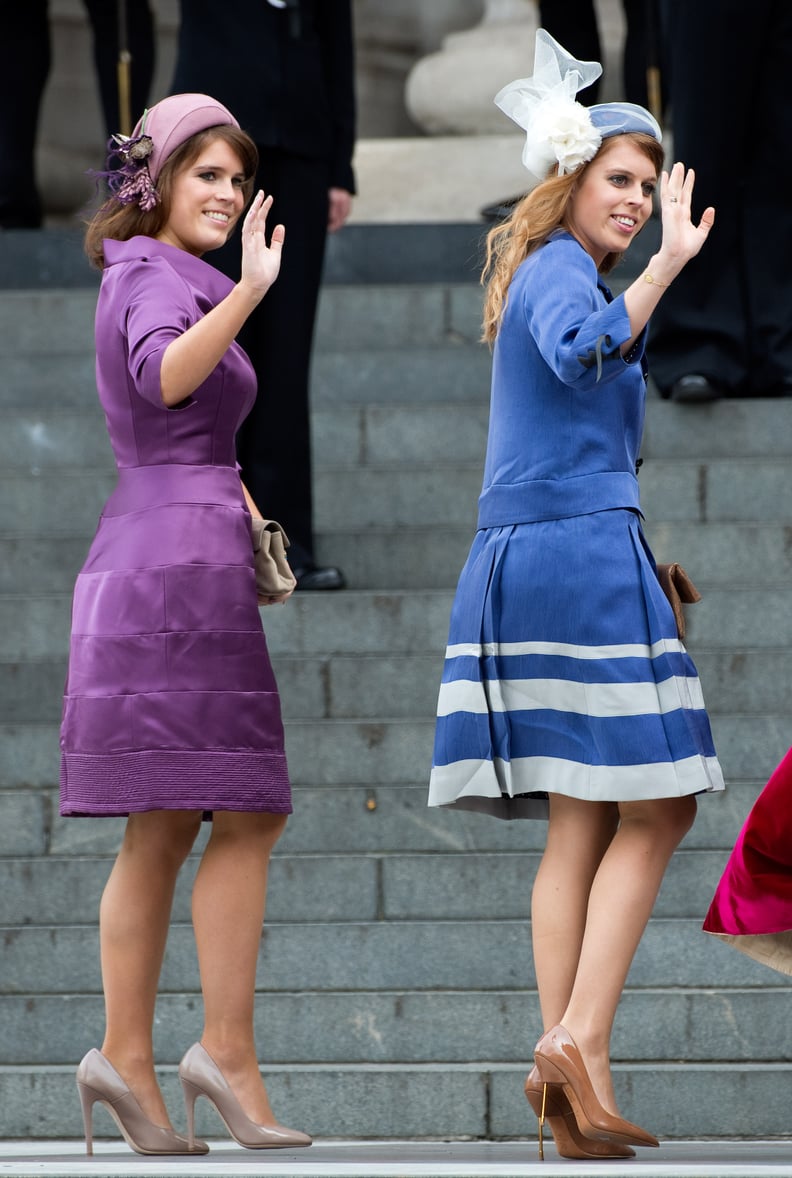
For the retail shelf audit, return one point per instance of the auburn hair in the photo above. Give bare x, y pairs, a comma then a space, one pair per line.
531, 222
121, 222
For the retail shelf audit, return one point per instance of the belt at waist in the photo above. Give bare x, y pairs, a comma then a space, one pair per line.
141, 487
502, 504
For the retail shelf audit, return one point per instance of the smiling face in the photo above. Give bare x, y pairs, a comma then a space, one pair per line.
206, 201
613, 200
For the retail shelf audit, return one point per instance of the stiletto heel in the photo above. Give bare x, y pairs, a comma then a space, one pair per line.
552, 1108
541, 1123
86, 1103
559, 1061
200, 1076
191, 1094
97, 1080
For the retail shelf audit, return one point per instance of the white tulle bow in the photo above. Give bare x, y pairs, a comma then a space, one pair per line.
558, 130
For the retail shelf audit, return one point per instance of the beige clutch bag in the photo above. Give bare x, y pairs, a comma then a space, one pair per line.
274, 577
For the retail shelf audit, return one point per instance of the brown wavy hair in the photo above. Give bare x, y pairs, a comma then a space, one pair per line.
531, 222
120, 222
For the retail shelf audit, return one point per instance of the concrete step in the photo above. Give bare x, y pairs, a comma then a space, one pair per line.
386, 376
380, 955
712, 491
432, 557
432, 1101
349, 820
443, 1026
400, 1158
328, 687
48, 433
350, 317
438, 496
345, 887
751, 625
381, 752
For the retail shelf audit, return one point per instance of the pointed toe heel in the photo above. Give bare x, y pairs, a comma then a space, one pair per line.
558, 1061
99, 1083
552, 1108
200, 1076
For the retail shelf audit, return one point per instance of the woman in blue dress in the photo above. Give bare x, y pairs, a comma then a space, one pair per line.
567, 693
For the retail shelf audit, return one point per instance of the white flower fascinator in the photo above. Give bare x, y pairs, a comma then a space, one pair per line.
558, 129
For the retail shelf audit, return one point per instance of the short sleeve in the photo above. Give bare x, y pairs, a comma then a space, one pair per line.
160, 307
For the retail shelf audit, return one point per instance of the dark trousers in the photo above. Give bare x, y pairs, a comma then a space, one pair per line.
728, 316
573, 23
26, 66
274, 443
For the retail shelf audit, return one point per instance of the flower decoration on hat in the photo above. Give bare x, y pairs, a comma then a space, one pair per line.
131, 183
558, 129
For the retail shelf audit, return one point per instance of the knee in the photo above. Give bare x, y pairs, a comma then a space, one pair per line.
245, 830
165, 836
667, 820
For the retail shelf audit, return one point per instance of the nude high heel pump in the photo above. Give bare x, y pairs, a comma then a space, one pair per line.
97, 1080
552, 1108
200, 1076
559, 1061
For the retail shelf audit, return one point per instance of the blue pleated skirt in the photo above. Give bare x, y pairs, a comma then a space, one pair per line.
564, 674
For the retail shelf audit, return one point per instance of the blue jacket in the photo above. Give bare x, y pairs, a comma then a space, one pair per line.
567, 410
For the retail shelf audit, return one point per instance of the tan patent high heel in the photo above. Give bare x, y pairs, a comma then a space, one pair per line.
559, 1061
552, 1108
97, 1080
200, 1076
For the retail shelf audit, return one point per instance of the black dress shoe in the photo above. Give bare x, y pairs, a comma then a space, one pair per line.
694, 389
313, 577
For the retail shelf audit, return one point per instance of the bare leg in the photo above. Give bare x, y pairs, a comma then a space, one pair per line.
578, 835
229, 899
622, 895
134, 916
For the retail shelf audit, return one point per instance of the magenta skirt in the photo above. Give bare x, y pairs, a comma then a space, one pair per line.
752, 907
170, 700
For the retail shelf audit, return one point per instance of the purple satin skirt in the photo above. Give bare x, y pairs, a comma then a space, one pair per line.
170, 701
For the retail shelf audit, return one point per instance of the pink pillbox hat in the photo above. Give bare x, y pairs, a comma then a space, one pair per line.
173, 120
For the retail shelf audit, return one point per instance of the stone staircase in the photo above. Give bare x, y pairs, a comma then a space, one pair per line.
397, 994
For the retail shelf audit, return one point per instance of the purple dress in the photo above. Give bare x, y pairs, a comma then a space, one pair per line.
170, 699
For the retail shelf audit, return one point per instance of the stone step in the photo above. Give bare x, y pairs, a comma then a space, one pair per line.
387, 376
441, 1026
350, 820
451, 372
439, 496
748, 623
333, 687
346, 887
350, 317
382, 752
712, 491
52, 434
432, 557
380, 955
395, 1157
442, 1101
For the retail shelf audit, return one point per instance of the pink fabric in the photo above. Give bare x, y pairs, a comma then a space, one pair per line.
176, 119
754, 896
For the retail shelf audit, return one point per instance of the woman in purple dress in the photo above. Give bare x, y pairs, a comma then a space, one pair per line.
171, 707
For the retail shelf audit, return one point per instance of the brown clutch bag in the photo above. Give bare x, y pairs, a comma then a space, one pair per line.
680, 590
274, 577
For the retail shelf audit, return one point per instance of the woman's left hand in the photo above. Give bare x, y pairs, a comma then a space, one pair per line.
682, 240
260, 262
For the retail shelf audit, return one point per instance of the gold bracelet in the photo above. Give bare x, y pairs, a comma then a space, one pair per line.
653, 281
